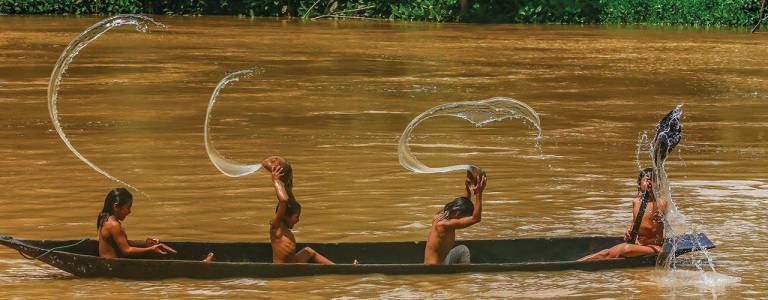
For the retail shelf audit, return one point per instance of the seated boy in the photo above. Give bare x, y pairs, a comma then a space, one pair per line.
457, 214
286, 216
650, 234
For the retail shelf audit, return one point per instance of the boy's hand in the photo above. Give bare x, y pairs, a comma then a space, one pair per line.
626, 234
277, 172
158, 249
480, 186
152, 241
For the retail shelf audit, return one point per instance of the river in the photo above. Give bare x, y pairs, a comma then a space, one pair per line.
334, 98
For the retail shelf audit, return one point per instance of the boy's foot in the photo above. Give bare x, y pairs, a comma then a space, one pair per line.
208, 258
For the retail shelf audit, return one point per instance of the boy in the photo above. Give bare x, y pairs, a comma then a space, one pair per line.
650, 234
286, 216
457, 214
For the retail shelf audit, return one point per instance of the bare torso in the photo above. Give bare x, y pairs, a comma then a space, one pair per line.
283, 244
107, 246
439, 242
651, 230
650, 235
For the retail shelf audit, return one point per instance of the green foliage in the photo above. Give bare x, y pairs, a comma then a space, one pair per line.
691, 12
426, 10
65, 7
358, 8
535, 11
264, 8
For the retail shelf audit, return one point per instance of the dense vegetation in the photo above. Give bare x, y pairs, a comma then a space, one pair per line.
690, 12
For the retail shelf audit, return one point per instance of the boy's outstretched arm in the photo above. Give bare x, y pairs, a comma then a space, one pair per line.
282, 196
477, 213
124, 248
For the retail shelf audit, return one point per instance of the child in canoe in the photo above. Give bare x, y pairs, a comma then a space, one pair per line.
650, 234
113, 241
286, 216
457, 214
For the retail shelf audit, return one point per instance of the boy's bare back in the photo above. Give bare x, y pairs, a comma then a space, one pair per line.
440, 241
107, 248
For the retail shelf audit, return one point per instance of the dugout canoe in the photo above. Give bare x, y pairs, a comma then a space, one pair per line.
394, 258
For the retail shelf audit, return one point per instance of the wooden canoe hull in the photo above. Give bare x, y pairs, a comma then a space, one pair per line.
243, 260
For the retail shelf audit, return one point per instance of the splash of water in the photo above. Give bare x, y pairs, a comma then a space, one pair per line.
478, 112
227, 166
69, 54
713, 282
668, 135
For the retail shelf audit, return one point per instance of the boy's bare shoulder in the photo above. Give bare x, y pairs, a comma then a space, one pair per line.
111, 223
442, 224
111, 226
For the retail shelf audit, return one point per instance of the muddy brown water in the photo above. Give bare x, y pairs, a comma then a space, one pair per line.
334, 98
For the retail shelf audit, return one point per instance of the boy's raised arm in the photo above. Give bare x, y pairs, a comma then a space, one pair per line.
282, 196
477, 213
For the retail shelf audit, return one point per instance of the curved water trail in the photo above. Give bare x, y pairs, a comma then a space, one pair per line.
478, 112
227, 166
69, 54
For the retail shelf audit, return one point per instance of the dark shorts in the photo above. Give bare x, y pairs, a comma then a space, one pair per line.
457, 255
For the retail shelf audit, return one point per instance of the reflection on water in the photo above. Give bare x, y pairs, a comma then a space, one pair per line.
337, 97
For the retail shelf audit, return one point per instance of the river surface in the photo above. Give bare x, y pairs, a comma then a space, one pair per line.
334, 98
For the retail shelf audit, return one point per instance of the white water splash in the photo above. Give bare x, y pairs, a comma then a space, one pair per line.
479, 113
675, 223
227, 166
713, 282
69, 54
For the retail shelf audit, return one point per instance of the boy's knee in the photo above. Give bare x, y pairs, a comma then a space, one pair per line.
310, 251
620, 251
611, 253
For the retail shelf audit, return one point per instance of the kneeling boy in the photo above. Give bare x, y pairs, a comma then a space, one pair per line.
457, 214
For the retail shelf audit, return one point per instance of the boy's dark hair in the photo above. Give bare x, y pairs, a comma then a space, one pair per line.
643, 173
115, 197
291, 207
287, 177
460, 206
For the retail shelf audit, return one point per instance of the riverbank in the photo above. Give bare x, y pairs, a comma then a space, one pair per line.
739, 13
